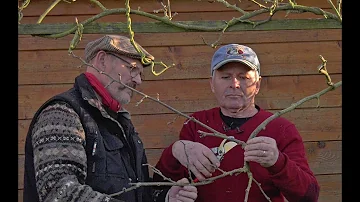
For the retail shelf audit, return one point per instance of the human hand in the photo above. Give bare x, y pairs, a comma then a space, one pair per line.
262, 150
198, 158
182, 194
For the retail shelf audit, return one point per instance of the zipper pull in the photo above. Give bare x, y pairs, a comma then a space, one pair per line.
94, 149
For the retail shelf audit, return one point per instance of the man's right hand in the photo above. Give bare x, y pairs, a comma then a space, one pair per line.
198, 158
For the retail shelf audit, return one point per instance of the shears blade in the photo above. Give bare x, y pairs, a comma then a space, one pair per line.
225, 146
228, 146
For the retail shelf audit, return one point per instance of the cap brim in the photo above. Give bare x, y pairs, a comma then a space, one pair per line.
245, 62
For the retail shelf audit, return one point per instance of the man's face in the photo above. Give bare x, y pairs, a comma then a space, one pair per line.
235, 86
128, 70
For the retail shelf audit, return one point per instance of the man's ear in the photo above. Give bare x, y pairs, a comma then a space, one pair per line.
211, 84
100, 60
258, 84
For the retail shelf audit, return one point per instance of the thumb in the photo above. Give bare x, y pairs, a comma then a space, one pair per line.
183, 180
175, 189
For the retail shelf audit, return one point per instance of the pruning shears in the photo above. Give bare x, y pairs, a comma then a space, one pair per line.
225, 146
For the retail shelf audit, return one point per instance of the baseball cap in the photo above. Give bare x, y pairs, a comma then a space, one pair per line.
235, 53
116, 44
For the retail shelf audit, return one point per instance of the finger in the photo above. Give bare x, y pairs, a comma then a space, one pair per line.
256, 146
202, 169
197, 173
255, 153
182, 198
208, 165
190, 188
187, 194
258, 159
254, 140
183, 180
211, 157
260, 139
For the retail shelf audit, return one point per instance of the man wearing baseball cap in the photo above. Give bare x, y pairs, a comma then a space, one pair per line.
276, 155
82, 146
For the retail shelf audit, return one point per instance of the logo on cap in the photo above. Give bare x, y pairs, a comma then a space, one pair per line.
234, 50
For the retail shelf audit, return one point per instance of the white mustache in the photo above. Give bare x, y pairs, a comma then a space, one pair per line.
241, 94
232, 93
121, 87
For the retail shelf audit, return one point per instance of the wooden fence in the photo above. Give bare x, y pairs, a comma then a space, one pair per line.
289, 60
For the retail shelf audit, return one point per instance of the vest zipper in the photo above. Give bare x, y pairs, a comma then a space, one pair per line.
93, 153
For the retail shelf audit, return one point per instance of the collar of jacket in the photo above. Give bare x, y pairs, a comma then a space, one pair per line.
88, 93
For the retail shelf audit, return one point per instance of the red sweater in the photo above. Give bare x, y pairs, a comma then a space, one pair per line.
290, 177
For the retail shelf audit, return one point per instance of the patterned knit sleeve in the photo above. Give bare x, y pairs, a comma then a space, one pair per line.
58, 140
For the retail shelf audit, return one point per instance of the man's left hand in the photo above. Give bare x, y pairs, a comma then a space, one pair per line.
262, 150
182, 194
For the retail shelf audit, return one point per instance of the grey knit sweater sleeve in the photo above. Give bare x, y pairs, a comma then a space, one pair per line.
58, 140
